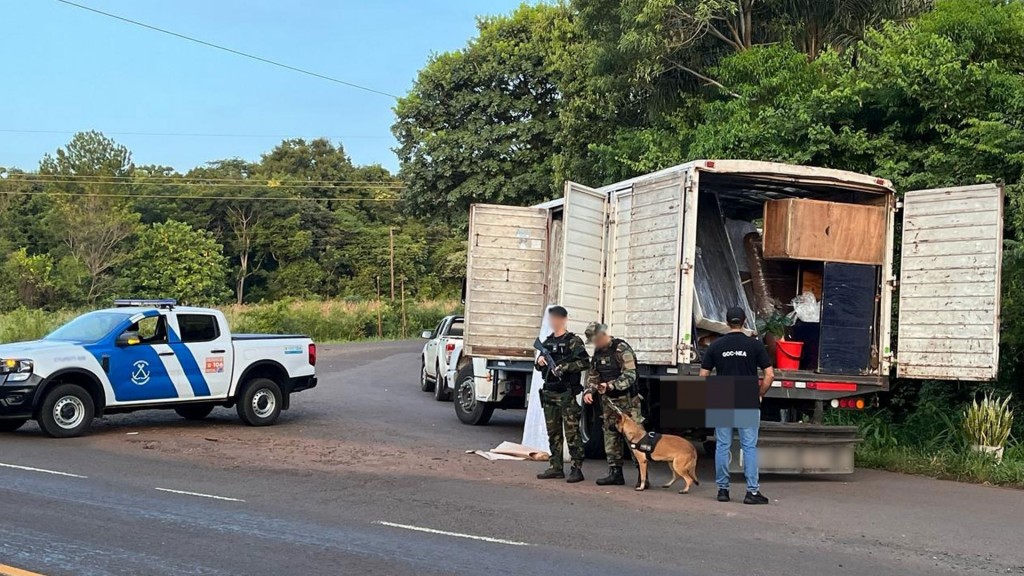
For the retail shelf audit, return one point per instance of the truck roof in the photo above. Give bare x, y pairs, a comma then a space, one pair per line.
769, 170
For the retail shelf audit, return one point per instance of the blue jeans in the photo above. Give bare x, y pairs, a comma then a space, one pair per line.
748, 443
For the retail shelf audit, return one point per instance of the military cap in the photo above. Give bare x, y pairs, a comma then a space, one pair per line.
595, 328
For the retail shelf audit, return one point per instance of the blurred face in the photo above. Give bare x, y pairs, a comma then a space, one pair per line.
602, 340
558, 323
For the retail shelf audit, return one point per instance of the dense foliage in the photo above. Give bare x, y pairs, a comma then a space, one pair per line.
304, 221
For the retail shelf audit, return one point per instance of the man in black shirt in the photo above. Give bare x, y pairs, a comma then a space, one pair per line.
736, 354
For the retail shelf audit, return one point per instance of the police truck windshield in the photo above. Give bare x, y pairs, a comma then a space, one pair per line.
90, 327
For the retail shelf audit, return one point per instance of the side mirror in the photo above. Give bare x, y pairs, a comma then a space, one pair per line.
128, 339
426, 334
463, 291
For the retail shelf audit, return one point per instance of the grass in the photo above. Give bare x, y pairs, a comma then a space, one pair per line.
324, 321
939, 450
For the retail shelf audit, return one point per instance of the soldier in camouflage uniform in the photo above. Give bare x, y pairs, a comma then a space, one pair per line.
558, 397
612, 376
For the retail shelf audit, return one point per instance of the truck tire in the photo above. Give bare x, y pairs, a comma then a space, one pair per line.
441, 392
67, 411
467, 408
425, 384
12, 425
194, 411
260, 402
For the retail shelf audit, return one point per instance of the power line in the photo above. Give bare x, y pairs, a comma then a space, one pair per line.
195, 134
220, 184
192, 179
226, 49
188, 197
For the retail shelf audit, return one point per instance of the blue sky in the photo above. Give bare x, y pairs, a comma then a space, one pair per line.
65, 70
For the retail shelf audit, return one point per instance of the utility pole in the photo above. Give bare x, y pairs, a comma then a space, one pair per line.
380, 322
404, 321
391, 233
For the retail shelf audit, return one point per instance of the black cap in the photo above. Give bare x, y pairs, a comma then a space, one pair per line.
735, 315
559, 311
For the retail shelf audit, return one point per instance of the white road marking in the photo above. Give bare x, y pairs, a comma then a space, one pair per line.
453, 534
200, 495
44, 471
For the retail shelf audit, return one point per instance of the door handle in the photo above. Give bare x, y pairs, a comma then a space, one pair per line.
216, 351
165, 354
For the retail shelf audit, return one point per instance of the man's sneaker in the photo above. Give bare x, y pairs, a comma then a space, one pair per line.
551, 473
723, 495
755, 498
575, 475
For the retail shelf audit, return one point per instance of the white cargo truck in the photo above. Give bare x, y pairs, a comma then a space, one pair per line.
659, 257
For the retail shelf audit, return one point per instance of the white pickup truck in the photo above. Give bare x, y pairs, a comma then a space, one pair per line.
145, 354
437, 356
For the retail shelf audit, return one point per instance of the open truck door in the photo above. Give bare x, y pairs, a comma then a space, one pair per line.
950, 283
644, 267
506, 280
583, 255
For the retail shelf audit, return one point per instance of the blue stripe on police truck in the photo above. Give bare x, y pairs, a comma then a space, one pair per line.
189, 364
136, 373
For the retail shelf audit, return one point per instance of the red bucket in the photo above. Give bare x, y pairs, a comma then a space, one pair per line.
787, 354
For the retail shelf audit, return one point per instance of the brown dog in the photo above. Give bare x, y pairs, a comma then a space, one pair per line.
678, 452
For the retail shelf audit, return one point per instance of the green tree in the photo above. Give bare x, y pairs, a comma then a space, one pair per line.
171, 259
89, 180
479, 124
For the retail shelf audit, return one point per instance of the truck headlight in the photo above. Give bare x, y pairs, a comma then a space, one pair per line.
16, 370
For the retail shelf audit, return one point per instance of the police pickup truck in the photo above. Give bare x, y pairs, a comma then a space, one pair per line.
145, 354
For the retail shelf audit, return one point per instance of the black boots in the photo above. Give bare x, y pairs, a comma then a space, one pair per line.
551, 473
614, 477
575, 475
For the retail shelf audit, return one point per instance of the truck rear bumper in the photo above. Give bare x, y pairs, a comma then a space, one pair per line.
302, 383
800, 449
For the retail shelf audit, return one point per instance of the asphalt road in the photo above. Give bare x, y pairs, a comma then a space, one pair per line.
368, 475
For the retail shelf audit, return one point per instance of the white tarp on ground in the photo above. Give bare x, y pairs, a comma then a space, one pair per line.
535, 431
513, 451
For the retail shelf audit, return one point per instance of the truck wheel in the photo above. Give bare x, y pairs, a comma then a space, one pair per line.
67, 411
425, 384
260, 402
194, 411
467, 408
11, 425
441, 393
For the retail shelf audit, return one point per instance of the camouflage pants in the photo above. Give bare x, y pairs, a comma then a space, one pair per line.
561, 409
613, 440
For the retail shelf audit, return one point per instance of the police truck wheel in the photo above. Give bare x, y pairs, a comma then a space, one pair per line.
67, 411
441, 393
194, 411
260, 402
425, 384
11, 425
467, 408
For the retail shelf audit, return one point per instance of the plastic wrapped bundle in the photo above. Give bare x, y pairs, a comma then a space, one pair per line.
764, 301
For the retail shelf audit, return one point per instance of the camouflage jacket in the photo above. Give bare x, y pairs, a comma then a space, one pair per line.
615, 365
570, 356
